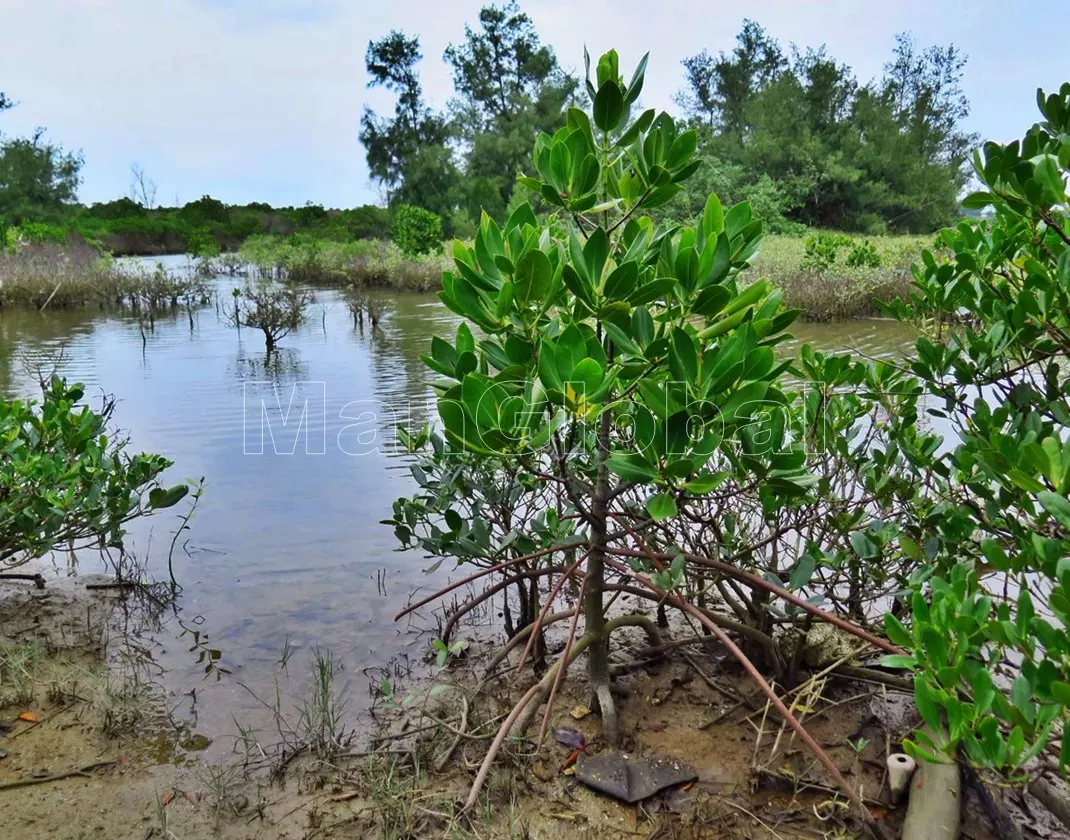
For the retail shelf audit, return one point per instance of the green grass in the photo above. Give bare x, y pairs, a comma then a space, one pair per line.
364, 262
833, 291
75, 275
18, 666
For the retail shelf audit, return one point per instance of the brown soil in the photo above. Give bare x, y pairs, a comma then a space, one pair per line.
754, 778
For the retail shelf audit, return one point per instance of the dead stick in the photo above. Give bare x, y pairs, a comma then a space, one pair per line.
37, 580
55, 777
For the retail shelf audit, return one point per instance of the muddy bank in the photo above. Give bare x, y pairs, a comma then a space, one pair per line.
92, 748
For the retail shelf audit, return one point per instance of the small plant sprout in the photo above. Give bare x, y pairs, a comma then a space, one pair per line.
445, 652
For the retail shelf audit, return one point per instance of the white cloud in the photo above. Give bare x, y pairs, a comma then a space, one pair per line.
253, 100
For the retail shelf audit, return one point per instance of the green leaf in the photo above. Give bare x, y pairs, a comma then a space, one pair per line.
642, 326
631, 467
533, 276
684, 355
1046, 171
1061, 692
897, 633
712, 217
661, 507
635, 86
897, 660
978, 200
595, 253
746, 398
587, 376
159, 498
608, 106
1022, 697
803, 571
682, 148
1056, 505
927, 702
705, 483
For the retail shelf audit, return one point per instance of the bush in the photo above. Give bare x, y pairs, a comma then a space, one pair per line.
822, 250
986, 626
415, 230
273, 308
68, 482
863, 255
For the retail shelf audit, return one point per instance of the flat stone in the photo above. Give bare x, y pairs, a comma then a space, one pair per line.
632, 780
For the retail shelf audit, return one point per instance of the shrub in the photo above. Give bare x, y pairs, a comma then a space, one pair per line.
273, 308
415, 230
66, 480
986, 626
613, 397
822, 250
863, 255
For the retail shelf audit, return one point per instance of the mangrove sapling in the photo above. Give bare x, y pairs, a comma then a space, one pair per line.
988, 519
624, 384
276, 309
66, 482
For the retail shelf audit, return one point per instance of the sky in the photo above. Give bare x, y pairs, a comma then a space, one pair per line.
260, 100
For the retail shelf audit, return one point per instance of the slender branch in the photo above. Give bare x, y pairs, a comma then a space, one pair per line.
483, 573
761, 583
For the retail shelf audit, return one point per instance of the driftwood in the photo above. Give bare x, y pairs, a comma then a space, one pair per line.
1052, 798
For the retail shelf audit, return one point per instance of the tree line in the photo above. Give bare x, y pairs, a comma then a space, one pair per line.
792, 131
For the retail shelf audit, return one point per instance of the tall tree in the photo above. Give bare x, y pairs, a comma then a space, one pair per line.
888, 155
407, 154
509, 88
37, 178
926, 87
5, 101
720, 89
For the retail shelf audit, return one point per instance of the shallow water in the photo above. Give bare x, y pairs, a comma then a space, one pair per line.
286, 544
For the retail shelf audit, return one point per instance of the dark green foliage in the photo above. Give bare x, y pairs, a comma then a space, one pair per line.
66, 482
408, 153
38, 180
509, 88
992, 527
888, 155
415, 230
207, 225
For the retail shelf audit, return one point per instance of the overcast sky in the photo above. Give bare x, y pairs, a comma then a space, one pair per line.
260, 100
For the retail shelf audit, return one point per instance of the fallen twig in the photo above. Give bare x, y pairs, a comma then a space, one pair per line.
37, 580
55, 777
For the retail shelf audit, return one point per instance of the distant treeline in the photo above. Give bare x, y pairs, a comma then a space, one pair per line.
791, 131
205, 226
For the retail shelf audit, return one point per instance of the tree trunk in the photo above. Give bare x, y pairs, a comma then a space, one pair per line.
593, 611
